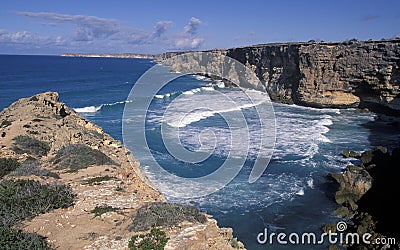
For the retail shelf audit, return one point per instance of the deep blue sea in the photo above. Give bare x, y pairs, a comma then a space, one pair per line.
293, 194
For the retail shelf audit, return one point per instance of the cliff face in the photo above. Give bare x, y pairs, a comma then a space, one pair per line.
354, 74
342, 75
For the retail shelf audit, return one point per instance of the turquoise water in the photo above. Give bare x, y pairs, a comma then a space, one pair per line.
293, 194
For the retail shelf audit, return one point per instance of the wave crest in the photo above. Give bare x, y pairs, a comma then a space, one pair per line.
94, 109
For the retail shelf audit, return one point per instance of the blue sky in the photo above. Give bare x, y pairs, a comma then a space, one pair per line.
54, 27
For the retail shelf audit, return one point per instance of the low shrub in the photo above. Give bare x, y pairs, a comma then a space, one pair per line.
32, 167
164, 214
34, 99
7, 165
24, 199
155, 240
17, 239
5, 123
27, 144
99, 210
97, 180
79, 156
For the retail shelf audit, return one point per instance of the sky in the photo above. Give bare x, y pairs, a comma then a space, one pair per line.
128, 26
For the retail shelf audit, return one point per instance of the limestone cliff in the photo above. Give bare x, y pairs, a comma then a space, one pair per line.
340, 75
53, 143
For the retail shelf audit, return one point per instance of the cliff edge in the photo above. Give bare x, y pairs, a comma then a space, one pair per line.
99, 199
351, 74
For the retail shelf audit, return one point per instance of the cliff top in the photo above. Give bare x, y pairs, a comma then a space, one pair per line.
311, 42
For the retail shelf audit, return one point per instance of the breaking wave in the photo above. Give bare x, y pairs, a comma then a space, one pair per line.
94, 109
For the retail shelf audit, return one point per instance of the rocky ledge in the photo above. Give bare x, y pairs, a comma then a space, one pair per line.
356, 74
368, 193
66, 184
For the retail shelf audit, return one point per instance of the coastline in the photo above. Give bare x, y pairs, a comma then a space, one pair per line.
301, 105
108, 189
349, 74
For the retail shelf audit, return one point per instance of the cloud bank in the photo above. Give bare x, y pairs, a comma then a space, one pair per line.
103, 34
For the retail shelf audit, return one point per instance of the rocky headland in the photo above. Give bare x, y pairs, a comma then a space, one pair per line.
66, 184
350, 74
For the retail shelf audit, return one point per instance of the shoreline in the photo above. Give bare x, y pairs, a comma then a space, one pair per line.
52, 144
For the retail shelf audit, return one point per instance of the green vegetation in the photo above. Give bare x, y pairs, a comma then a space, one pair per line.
34, 99
164, 214
7, 165
99, 210
31, 166
24, 199
17, 239
119, 189
79, 156
98, 135
98, 180
5, 123
37, 120
27, 144
155, 240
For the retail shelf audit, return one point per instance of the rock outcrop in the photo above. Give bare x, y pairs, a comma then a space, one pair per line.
366, 195
333, 75
108, 191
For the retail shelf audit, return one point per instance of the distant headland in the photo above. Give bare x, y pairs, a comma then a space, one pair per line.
124, 55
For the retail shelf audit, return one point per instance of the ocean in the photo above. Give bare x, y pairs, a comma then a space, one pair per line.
293, 195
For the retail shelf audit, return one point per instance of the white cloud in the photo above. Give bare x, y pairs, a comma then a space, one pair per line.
91, 25
193, 26
189, 38
93, 33
161, 28
188, 43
